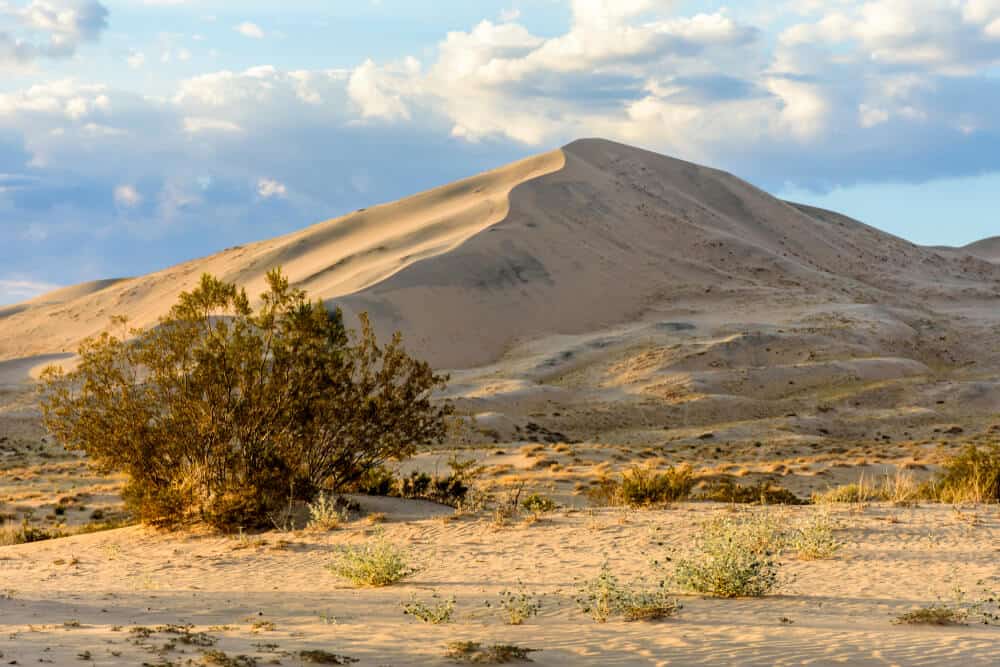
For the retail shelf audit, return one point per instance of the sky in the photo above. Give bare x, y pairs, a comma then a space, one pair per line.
135, 134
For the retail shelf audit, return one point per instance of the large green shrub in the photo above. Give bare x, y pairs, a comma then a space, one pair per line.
228, 413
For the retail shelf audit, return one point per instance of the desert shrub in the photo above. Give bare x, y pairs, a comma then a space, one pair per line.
538, 503
934, 614
375, 563
762, 493
605, 596
321, 657
327, 512
376, 481
733, 557
226, 413
436, 612
642, 487
517, 607
474, 653
813, 538
971, 476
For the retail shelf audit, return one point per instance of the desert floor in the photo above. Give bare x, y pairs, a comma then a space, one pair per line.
270, 596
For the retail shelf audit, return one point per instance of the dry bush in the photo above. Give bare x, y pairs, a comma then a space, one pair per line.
762, 493
327, 513
226, 413
644, 487
474, 653
934, 614
973, 476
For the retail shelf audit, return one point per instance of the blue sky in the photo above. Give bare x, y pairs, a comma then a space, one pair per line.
138, 133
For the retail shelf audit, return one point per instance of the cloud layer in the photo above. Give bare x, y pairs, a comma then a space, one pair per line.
843, 92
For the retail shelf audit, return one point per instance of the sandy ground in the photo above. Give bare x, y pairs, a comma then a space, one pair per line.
270, 596
602, 307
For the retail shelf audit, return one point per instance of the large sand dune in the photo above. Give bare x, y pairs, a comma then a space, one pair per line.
590, 236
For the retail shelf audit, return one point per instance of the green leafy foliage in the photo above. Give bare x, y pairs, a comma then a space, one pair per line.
226, 413
733, 557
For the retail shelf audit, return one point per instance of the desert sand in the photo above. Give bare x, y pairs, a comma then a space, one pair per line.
597, 306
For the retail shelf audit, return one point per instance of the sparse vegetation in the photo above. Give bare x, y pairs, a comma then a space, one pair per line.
321, 657
327, 513
538, 504
971, 476
644, 487
474, 653
605, 596
226, 413
733, 557
934, 614
375, 563
813, 538
762, 493
436, 612
517, 607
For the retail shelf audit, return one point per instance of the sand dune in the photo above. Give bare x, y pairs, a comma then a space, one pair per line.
579, 239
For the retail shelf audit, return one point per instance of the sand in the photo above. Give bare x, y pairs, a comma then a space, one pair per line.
272, 596
598, 306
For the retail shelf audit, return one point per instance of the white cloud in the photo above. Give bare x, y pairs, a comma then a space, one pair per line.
251, 30
268, 188
195, 125
13, 290
48, 28
127, 196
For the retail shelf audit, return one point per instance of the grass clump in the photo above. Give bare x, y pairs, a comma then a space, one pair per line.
474, 653
376, 563
733, 557
645, 487
436, 612
973, 476
605, 596
12, 533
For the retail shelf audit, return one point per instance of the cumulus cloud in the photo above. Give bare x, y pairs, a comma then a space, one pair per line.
13, 290
251, 30
127, 196
48, 28
844, 92
268, 188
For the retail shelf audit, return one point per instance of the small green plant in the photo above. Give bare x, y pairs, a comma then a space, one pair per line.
538, 503
376, 563
733, 557
605, 596
814, 539
517, 607
436, 612
327, 513
474, 653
